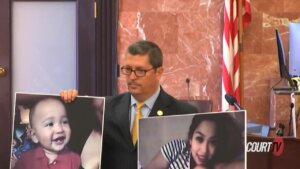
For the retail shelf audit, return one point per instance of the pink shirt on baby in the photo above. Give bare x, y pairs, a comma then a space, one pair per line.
36, 159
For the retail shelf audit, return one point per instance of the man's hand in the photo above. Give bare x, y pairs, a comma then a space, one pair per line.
68, 95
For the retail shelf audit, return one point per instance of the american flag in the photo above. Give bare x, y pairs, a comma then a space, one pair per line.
230, 64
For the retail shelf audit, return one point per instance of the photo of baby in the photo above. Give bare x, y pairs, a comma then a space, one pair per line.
50, 133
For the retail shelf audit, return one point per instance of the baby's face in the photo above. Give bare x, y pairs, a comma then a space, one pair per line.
51, 126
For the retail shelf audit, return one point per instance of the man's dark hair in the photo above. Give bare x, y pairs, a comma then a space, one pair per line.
144, 47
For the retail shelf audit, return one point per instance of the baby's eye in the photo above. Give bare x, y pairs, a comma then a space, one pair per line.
49, 124
65, 121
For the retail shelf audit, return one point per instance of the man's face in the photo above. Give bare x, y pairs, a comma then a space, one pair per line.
50, 126
142, 87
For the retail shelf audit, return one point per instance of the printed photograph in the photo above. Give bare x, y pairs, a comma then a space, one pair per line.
214, 140
47, 131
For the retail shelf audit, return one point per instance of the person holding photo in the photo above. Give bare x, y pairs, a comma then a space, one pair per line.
51, 132
143, 69
214, 142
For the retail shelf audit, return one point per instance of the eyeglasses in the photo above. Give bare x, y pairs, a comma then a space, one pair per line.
137, 72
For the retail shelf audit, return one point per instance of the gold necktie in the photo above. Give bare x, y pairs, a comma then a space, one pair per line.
138, 115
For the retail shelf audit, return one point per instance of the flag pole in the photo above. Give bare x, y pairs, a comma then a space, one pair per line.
241, 50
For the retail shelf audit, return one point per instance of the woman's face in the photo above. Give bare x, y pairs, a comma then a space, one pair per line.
203, 142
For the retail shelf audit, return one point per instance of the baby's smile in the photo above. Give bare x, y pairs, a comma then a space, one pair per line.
59, 140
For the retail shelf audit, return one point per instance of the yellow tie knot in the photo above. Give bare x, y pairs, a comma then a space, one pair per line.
139, 106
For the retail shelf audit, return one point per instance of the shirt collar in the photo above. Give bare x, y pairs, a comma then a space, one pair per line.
40, 154
149, 102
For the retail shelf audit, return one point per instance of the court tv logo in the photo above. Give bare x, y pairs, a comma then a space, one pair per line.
276, 146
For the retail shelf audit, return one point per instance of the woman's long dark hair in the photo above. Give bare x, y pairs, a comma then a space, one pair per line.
229, 139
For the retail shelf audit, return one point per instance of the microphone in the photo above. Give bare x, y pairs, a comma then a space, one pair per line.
187, 80
232, 101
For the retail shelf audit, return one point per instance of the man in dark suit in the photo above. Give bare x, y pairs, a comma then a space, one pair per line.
143, 70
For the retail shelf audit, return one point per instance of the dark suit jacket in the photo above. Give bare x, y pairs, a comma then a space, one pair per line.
118, 152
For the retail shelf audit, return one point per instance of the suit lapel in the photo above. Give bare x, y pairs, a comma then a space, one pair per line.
122, 118
162, 104
121, 111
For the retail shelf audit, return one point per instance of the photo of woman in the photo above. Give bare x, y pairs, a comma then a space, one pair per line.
214, 141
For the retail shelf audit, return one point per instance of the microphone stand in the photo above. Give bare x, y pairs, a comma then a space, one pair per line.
292, 124
188, 87
291, 120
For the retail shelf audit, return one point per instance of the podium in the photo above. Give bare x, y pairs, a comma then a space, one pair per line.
201, 105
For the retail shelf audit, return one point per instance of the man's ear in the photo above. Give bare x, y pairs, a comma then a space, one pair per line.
159, 71
33, 135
